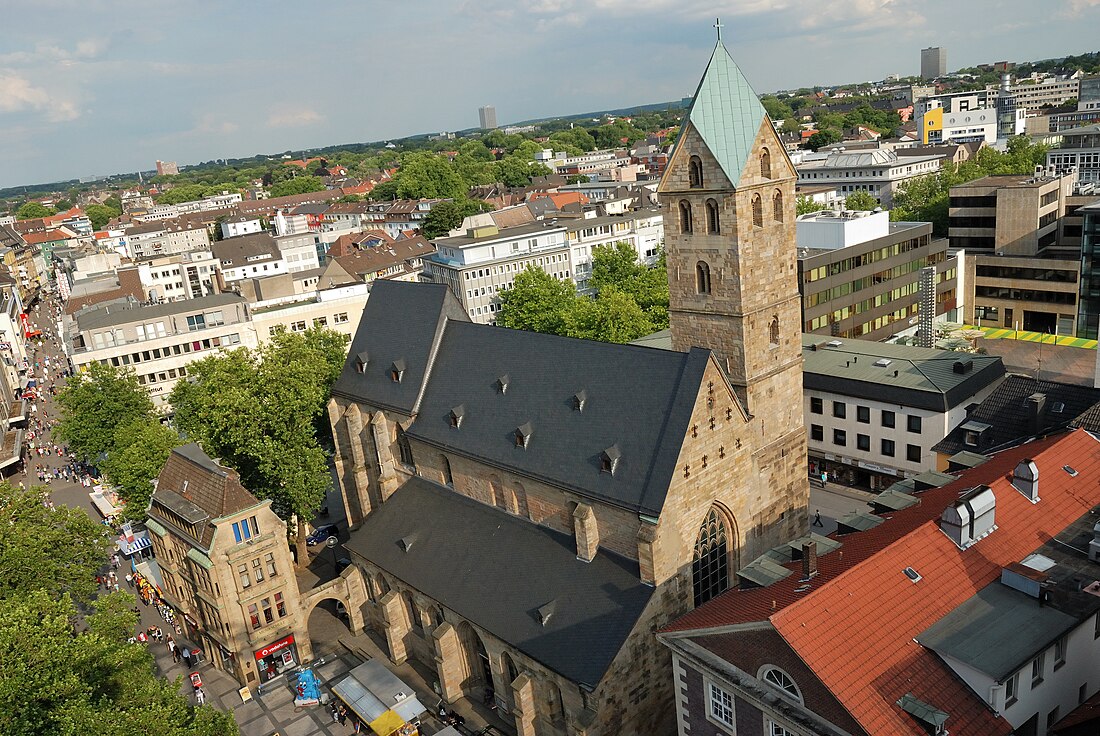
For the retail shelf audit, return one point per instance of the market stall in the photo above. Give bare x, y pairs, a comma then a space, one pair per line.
378, 698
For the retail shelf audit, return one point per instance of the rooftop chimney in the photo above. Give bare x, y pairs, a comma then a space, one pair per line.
809, 559
971, 517
1025, 479
1035, 405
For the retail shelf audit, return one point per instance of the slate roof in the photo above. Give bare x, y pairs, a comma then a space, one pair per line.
195, 487
405, 321
726, 113
855, 625
501, 570
1006, 412
926, 378
235, 252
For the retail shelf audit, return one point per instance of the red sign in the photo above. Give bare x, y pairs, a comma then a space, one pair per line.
274, 647
25, 322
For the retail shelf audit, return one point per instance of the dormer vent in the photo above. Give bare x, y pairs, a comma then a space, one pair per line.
456, 415
545, 612
502, 384
406, 543
931, 718
361, 361
1025, 479
397, 370
523, 435
970, 518
963, 366
609, 460
579, 400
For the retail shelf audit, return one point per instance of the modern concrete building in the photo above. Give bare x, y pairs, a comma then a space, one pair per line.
1088, 305
933, 62
879, 172
1080, 152
874, 410
859, 273
1008, 214
487, 117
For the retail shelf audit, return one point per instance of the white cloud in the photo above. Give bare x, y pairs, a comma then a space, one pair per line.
17, 94
1077, 7
292, 118
208, 124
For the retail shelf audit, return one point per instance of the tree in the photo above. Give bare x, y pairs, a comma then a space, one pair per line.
428, 176
537, 302
96, 401
185, 193
259, 411
822, 138
33, 210
446, 216
791, 125
100, 215
140, 450
577, 179
56, 551
611, 317
62, 205
297, 185
861, 201
776, 108
804, 205
616, 268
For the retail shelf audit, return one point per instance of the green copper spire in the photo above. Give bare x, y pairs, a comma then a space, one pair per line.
726, 112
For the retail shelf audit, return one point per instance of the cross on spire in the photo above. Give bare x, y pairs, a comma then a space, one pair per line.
718, 26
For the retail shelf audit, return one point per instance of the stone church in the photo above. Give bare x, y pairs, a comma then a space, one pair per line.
528, 509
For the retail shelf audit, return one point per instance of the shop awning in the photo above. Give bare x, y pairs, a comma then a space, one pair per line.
378, 696
141, 541
12, 448
387, 723
150, 570
104, 506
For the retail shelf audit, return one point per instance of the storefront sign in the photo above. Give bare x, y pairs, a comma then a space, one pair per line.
877, 468
274, 647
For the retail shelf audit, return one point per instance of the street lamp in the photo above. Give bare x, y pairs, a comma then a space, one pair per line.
331, 543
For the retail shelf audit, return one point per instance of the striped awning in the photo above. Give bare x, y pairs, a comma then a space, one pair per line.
141, 541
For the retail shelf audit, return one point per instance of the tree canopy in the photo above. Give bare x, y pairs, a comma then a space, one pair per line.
446, 216
297, 185
101, 214
258, 411
33, 210
861, 201
94, 403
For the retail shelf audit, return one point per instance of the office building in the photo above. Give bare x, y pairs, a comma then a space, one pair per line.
1080, 152
859, 274
933, 62
488, 117
878, 172
1088, 305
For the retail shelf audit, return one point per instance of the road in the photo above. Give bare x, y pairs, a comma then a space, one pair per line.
835, 502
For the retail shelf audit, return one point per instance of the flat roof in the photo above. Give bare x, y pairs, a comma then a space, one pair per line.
507, 233
121, 312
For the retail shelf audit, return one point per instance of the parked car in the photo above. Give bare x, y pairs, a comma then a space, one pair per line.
320, 534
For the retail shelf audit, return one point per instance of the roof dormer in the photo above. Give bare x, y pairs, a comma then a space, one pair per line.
501, 384
579, 400
609, 460
397, 370
522, 435
456, 415
361, 361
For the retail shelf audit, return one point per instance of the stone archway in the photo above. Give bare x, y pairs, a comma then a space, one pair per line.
478, 671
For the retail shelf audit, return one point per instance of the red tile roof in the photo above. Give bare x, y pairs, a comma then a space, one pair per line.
855, 627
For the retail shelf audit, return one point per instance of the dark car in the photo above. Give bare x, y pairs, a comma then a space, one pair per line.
322, 533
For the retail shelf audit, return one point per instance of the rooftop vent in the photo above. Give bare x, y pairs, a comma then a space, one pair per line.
361, 362
1025, 479
834, 343
963, 366
883, 362
912, 574
523, 435
609, 460
545, 612
456, 415
1071, 470
932, 718
397, 370
1057, 407
579, 400
970, 518
405, 543
502, 384
1024, 579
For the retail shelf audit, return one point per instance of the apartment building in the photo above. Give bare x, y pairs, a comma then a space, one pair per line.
183, 276
1079, 152
642, 229
163, 237
875, 410
879, 172
338, 308
249, 256
1033, 94
859, 274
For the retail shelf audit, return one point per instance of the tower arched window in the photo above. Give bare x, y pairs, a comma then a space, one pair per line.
685, 216
773, 330
404, 449
766, 164
757, 211
695, 172
714, 223
777, 206
710, 565
702, 278
448, 478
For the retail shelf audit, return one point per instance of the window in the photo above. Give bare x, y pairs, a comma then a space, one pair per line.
840, 409
685, 216
721, 705
757, 211
242, 571
863, 442
714, 225
695, 172
254, 616
258, 570
887, 418
710, 567
777, 206
1012, 689
320, 321
773, 330
215, 319
766, 164
196, 322
404, 449
912, 453
702, 278
1037, 665
340, 318
280, 605
1052, 718
863, 414
246, 529
888, 448
840, 437
913, 423
817, 432
448, 479
780, 680
269, 559
816, 405
269, 614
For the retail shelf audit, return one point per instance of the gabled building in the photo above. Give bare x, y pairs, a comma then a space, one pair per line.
227, 569
590, 492
969, 608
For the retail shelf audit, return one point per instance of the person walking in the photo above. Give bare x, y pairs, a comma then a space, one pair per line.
817, 519
200, 696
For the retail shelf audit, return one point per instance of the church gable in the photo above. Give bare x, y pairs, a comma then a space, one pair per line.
692, 151
767, 161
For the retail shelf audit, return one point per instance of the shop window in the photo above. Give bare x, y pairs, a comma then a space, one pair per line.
254, 616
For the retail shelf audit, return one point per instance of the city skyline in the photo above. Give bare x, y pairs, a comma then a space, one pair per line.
155, 80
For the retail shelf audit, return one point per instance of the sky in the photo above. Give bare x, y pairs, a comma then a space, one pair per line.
95, 87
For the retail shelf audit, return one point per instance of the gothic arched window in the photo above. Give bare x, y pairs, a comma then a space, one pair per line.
702, 278
714, 224
710, 566
766, 164
685, 216
757, 211
404, 449
695, 172
448, 478
777, 206
773, 330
